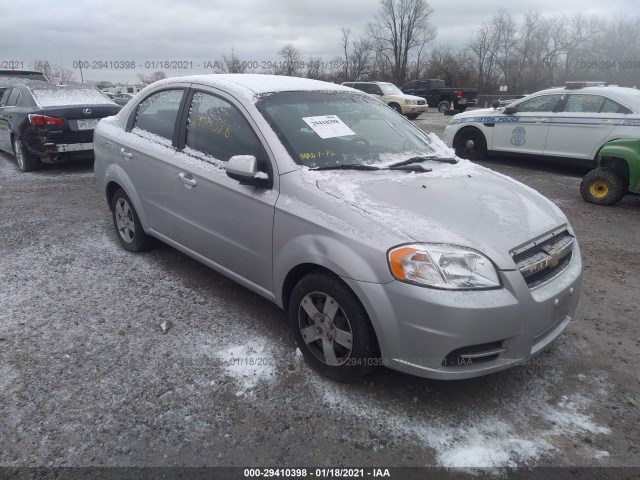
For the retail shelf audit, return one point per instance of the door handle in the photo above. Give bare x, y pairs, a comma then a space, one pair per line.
187, 179
126, 153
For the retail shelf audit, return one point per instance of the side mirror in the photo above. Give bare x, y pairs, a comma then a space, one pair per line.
495, 103
510, 110
244, 168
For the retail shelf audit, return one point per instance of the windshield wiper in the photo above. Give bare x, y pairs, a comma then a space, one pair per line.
411, 160
347, 166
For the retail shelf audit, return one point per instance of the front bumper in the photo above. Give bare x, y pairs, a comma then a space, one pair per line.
414, 109
449, 133
421, 331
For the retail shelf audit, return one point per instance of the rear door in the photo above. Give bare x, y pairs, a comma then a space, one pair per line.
526, 130
147, 156
8, 105
583, 124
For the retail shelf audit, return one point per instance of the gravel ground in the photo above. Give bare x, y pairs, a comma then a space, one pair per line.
87, 376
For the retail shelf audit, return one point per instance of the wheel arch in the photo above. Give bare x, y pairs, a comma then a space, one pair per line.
296, 274
110, 190
624, 156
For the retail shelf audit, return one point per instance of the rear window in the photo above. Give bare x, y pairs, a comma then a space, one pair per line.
23, 74
63, 96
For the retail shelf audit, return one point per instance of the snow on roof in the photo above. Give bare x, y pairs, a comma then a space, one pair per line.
249, 86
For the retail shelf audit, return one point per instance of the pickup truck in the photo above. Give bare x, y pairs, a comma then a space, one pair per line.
439, 96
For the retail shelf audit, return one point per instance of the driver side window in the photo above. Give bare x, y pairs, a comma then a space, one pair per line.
218, 129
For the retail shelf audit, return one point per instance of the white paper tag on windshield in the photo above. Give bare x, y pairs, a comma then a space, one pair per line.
328, 126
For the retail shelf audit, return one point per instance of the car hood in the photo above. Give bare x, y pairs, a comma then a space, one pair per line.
478, 112
461, 204
403, 97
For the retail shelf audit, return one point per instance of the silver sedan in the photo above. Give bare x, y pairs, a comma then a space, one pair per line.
382, 246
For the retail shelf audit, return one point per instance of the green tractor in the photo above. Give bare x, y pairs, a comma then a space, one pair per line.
618, 172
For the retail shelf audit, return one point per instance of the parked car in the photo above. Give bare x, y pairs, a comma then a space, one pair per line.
617, 173
43, 122
383, 248
571, 122
119, 98
438, 95
408, 105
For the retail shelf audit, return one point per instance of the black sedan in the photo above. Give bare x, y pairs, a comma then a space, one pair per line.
42, 122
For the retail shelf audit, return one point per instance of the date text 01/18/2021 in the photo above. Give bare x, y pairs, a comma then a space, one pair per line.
317, 473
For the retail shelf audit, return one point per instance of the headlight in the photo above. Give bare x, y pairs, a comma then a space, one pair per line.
454, 121
442, 266
410, 102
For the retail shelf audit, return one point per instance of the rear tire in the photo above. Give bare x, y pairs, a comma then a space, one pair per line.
127, 224
603, 186
26, 161
443, 106
470, 143
332, 328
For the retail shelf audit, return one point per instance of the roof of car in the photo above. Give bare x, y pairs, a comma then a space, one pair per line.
250, 85
622, 94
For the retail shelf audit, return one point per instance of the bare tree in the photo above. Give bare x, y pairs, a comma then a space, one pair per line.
580, 30
400, 29
233, 64
483, 47
357, 55
154, 77
290, 62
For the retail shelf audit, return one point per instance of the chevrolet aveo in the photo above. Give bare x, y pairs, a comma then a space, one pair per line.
382, 246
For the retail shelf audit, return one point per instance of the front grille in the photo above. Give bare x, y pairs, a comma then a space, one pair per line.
421, 102
541, 261
473, 354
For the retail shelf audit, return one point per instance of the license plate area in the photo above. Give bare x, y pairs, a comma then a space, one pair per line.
89, 124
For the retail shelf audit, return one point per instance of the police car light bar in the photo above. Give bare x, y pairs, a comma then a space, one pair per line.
576, 85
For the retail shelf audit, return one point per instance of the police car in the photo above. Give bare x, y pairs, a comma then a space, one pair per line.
573, 122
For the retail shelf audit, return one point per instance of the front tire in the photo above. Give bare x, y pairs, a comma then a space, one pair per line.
396, 107
332, 329
127, 224
26, 161
470, 143
603, 186
412, 116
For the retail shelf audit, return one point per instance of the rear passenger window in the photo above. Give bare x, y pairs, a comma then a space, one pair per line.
218, 129
610, 106
12, 100
584, 104
157, 114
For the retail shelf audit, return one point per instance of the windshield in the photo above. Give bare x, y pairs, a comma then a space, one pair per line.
390, 89
324, 129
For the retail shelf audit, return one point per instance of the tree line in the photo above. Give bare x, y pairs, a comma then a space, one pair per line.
525, 53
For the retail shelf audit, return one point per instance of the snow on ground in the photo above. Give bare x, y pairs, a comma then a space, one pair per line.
478, 439
248, 364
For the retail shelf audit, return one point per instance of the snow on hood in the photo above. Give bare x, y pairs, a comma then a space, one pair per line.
462, 204
478, 112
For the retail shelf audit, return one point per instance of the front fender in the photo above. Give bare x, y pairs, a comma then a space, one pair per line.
627, 150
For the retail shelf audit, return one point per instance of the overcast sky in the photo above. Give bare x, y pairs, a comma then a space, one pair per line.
199, 31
